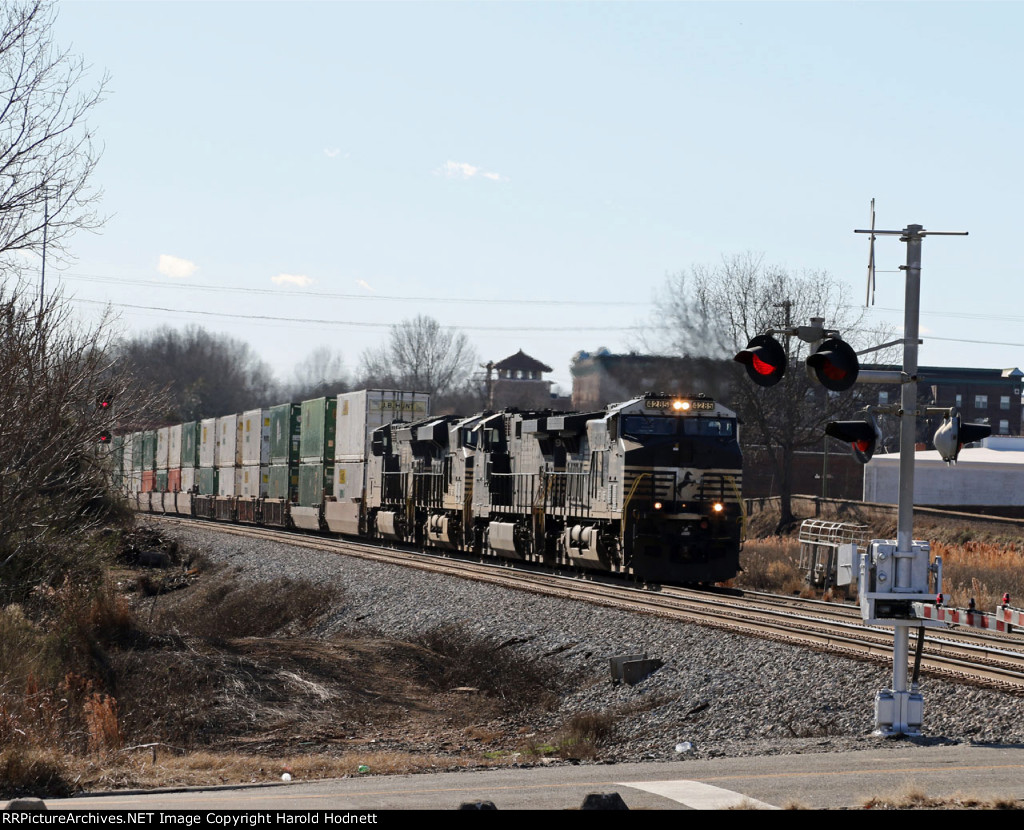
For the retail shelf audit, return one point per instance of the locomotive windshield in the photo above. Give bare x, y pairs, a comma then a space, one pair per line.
641, 427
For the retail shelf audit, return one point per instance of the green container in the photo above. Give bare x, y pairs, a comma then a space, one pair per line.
208, 481
285, 434
137, 450
319, 422
190, 444
315, 481
283, 482
149, 450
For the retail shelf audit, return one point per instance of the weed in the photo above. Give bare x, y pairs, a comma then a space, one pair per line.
226, 608
458, 656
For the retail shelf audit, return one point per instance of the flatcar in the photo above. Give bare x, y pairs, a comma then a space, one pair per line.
649, 487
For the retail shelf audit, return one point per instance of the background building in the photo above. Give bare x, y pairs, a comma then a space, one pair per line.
985, 396
602, 378
518, 381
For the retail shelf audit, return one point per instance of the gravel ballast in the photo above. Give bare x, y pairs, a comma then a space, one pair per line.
717, 694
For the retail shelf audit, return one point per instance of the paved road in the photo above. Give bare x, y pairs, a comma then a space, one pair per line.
841, 780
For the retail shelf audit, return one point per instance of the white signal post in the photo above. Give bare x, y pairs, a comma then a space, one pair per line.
894, 574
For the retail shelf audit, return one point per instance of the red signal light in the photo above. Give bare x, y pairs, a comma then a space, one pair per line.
106, 437
835, 364
765, 360
861, 435
760, 366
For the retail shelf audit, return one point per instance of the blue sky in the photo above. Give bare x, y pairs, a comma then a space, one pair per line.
530, 173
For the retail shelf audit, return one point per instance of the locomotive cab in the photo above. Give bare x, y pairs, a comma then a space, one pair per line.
681, 474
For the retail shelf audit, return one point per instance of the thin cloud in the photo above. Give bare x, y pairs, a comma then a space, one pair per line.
332, 152
364, 285
299, 280
462, 170
175, 267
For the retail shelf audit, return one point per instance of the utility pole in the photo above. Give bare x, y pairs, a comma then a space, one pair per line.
894, 575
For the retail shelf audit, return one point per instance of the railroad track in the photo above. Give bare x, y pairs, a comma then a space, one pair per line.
964, 655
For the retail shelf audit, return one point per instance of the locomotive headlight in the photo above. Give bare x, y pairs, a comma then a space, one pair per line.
718, 507
680, 406
657, 505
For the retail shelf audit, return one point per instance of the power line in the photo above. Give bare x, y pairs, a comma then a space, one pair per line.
350, 323
97, 278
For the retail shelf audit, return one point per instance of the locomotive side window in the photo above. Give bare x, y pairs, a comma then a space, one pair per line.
640, 426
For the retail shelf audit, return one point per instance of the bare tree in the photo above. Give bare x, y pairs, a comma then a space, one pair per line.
47, 150
320, 373
204, 374
420, 355
714, 311
54, 470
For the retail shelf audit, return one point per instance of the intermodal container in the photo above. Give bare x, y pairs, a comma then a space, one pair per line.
314, 483
285, 433
254, 430
255, 480
283, 481
229, 448
360, 413
208, 481
162, 447
190, 444
319, 422
208, 456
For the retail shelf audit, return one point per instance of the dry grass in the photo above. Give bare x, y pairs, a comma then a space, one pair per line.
913, 798
980, 559
982, 571
457, 656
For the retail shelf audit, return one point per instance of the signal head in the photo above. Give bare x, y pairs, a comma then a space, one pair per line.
861, 435
765, 360
952, 434
106, 436
835, 364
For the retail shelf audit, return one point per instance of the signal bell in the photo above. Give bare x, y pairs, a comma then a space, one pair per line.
862, 435
951, 435
835, 364
765, 360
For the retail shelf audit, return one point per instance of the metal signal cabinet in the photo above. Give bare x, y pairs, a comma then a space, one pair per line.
358, 415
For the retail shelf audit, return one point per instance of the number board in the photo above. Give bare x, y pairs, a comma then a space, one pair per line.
700, 405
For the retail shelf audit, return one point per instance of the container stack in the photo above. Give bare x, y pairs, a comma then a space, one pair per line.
285, 437
358, 415
316, 460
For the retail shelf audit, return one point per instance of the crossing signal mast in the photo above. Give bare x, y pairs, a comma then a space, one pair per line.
895, 573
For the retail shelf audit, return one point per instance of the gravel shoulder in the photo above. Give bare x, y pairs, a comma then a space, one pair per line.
718, 694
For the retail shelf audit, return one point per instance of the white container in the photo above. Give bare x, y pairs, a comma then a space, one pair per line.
255, 437
174, 446
360, 413
188, 479
162, 446
229, 448
229, 481
208, 456
255, 480
127, 448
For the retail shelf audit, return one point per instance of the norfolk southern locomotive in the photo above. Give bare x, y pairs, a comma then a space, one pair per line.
649, 487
